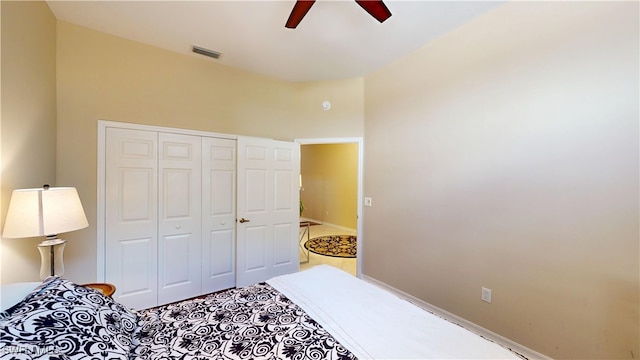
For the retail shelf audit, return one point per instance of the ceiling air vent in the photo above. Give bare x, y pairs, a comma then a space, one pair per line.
206, 52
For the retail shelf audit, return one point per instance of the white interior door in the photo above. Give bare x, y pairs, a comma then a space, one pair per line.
268, 209
131, 234
179, 223
218, 214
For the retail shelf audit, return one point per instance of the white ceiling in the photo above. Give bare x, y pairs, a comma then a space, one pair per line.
337, 38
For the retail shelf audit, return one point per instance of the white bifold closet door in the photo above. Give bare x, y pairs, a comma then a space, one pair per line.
131, 216
189, 214
268, 209
170, 212
179, 217
218, 214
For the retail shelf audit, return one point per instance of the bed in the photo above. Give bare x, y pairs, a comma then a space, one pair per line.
320, 313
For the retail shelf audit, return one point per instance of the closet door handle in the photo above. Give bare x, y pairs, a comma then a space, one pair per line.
243, 220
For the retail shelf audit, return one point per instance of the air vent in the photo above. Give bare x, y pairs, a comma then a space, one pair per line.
206, 52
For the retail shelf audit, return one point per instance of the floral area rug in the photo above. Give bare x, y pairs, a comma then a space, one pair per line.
333, 245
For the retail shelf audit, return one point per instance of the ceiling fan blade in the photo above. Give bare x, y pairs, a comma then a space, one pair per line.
375, 8
299, 10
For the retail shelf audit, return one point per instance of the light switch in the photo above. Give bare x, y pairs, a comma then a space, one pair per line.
367, 201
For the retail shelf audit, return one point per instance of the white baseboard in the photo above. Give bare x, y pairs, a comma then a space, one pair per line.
519, 349
309, 219
328, 224
338, 226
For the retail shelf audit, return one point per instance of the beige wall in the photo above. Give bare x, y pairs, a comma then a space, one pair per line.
330, 182
346, 115
105, 77
505, 155
28, 120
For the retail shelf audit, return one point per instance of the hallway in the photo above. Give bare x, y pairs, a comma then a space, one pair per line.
347, 264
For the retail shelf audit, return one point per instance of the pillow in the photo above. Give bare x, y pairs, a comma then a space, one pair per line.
62, 320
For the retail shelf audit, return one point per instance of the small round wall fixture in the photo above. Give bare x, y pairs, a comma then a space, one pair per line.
326, 105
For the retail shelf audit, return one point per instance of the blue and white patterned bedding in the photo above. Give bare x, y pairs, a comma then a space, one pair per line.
62, 320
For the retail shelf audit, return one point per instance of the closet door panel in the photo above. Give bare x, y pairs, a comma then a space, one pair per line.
179, 224
282, 244
221, 251
268, 201
136, 263
176, 248
218, 213
286, 206
131, 236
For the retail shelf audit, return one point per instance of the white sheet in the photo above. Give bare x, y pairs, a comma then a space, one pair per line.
11, 294
375, 324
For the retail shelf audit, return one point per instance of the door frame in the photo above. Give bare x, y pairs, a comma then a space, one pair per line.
360, 215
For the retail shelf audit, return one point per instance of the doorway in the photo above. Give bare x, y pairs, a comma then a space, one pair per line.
333, 201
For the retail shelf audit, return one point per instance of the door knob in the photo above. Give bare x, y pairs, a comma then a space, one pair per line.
243, 220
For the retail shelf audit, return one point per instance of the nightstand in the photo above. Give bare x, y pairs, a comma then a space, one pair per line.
104, 288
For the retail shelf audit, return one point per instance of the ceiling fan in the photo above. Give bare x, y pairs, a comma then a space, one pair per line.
375, 8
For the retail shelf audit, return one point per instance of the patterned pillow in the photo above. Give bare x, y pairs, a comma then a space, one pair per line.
62, 320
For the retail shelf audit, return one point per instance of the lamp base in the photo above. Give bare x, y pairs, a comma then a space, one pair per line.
51, 257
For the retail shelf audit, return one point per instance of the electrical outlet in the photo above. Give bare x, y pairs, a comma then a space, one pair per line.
486, 295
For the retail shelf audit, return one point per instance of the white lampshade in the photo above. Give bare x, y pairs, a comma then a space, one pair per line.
44, 211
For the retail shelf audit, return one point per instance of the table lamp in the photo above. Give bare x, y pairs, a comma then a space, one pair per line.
45, 211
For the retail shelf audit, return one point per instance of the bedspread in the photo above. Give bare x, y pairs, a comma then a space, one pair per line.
252, 322
320, 313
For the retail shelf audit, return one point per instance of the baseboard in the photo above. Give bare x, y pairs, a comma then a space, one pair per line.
519, 349
328, 224
303, 219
